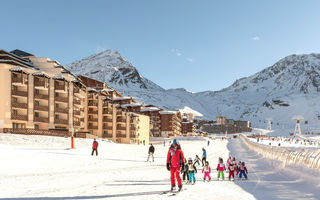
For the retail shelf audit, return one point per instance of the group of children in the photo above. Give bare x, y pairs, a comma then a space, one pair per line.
239, 169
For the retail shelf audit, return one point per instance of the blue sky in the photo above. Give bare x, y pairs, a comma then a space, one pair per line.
194, 44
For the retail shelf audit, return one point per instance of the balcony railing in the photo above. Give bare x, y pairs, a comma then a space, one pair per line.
121, 128
61, 110
107, 120
41, 96
75, 123
19, 117
19, 93
59, 87
107, 135
92, 104
76, 112
62, 99
92, 112
42, 108
121, 120
19, 105
41, 84
107, 127
121, 135
133, 136
92, 127
41, 119
77, 102
60, 121
21, 80
133, 128
92, 119
76, 90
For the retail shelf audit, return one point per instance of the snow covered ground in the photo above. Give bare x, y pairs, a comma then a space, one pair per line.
40, 167
287, 142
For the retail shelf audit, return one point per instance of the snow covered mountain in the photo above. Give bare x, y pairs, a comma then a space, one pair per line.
289, 87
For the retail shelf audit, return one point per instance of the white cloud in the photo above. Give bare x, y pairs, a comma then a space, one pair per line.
256, 38
190, 59
177, 52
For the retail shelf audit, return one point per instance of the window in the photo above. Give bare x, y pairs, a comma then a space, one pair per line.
14, 112
36, 126
14, 99
18, 125
36, 103
14, 88
37, 91
36, 114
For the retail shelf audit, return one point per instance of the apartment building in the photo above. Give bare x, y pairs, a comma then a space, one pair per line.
187, 127
170, 123
155, 119
38, 94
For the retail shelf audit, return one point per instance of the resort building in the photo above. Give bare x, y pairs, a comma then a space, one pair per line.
170, 123
155, 120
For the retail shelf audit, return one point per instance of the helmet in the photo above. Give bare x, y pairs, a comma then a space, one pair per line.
175, 141
243, 163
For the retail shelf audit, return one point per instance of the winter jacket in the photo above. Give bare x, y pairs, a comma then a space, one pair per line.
186, 169
151, 149
95, 145
221, 167
232, 168
204, 153
192, 168
243, 168
175, 158
206, 170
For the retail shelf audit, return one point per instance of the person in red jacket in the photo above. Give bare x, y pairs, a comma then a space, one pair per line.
95, 147
175, 163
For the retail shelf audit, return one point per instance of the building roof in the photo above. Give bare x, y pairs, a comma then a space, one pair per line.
131, 105
168, 112
121, 98
20, 53
149, 109
41, 74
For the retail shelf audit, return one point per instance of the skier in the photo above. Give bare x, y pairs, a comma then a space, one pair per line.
175, 162
151, 152
231, 169
184, 172
243, 170
204, 156
206, 170
221, 168
238, 168
191, 171
197, 160
229, 162
95, 147
208, 142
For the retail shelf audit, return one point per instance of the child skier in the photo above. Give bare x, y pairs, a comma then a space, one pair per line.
191, 171
238, 168
243, 171
220, 168
206, 170
229, 161
184, 172
197, 160
231, 169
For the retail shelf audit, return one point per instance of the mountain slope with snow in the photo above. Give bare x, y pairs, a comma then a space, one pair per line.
289, 87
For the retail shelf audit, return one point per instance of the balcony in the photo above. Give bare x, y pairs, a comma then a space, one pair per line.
107, 120
93, 119
19, 117
76, 112
121, 135
121, 120
59, 87
62, 99
133, 128
41, 108
107, 135
133, 136
107, 127
76, 90
92, 104
75, 123
19, 105
41, 119
60, 121
41, 84
20, 80
93, 112
41, 96
121, 128
19, 93
92, 127
61, 110
76, 102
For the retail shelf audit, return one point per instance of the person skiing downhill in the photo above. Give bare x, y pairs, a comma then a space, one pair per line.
204, 156
175, 162
151, 152
197, 160
191, 171
243, 171
206, 170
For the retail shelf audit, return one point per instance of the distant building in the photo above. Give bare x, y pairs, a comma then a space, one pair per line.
170, 123
224, 125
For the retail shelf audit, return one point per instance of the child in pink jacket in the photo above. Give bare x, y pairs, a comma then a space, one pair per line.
206, 170
221, 168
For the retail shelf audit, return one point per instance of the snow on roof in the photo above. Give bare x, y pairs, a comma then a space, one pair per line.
107, 90
40, 74
131, 105
17, 69
168, 112
149, 109
121, 98
59, 77
90, 89
188, 110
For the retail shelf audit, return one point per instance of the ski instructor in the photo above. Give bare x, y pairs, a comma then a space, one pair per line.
175, 163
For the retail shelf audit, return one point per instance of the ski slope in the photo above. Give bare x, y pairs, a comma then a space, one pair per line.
41, 167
